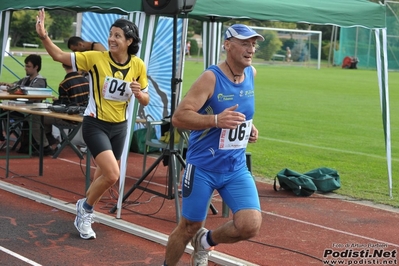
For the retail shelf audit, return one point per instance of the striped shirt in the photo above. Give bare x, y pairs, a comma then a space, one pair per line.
73, 90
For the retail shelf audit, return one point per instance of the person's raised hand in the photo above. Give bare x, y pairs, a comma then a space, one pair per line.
41, 31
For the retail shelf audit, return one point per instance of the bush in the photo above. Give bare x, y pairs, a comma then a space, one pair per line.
269, 47
194, 47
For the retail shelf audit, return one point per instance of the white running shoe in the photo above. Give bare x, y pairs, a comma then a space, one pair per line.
200, 256
83, 221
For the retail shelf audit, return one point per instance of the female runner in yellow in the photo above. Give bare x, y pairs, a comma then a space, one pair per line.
115, 76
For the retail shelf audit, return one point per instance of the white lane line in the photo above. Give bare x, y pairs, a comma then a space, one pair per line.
77, 163
31, 262
330, 229
325, 227
329, 149
93, 167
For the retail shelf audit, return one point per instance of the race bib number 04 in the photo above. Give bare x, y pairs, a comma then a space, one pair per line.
116, 89
235, 138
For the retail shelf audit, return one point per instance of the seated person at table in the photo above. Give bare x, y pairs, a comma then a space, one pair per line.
77, 44
73, 91
33, 65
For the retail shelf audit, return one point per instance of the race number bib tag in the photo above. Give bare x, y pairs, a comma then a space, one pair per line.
237, 138
116, 89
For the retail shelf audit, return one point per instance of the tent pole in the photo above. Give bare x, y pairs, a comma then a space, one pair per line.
331, 45
382, 72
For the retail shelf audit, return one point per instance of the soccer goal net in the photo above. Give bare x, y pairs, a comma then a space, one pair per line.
289, 47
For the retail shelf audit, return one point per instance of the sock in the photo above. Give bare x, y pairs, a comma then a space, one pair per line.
206, 241
209, 239
87, 207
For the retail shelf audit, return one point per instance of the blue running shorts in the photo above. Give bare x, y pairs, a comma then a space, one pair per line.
237, 189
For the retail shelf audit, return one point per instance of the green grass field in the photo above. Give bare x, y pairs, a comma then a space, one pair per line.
309, 118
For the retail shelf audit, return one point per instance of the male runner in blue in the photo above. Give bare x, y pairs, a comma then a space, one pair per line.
218, 109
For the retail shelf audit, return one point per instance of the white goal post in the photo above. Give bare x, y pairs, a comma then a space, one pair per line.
302, 38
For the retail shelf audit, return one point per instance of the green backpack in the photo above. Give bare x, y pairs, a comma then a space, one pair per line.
300, 184
325, 179
321, 179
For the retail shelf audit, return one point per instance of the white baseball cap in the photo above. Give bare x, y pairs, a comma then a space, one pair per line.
242, 32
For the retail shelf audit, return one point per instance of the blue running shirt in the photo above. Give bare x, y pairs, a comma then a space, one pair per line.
218, 150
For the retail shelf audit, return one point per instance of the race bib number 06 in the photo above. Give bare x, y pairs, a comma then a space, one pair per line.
116, 89
235, 138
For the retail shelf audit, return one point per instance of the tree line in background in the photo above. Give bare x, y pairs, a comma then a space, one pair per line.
23, 28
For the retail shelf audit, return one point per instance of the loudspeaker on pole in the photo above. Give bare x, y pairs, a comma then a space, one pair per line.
168, 7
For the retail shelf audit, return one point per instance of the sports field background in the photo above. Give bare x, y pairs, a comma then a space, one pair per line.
308, 118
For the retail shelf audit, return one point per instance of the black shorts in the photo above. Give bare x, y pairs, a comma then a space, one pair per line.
101, 136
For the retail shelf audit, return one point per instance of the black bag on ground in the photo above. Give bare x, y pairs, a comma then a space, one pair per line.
325, 179
298, 183
139, 139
